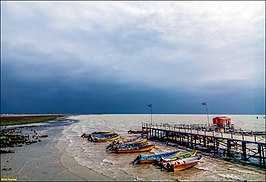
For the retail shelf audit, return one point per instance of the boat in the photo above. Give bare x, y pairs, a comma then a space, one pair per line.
103, 132
138, 132
130, 140
103, 136
145, 148
117, 143
165, 160
136, 144
84, 135
110, 138
182, 164
153, 158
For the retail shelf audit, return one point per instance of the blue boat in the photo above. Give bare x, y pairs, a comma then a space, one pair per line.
153, 158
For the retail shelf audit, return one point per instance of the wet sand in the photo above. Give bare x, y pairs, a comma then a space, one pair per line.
44, 161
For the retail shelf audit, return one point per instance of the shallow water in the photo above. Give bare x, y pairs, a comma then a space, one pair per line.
117, 166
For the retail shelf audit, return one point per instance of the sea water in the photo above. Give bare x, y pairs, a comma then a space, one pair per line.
117, 166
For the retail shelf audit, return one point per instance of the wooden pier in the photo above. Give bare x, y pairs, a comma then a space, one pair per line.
244, 145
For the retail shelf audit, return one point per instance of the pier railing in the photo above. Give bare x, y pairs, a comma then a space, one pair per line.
202, 137
205, 130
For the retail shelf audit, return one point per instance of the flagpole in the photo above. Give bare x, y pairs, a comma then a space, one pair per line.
207, 114
150, 105
151, 115
205, 103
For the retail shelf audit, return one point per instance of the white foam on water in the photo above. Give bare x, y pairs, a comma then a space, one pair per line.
230, 176
245, 171
107, 161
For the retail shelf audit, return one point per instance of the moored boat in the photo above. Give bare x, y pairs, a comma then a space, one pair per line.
165, 160
107, 138
132, 141
129, 145
153, 158
145, 148
182, 164
84, 135
103, 136
138, 131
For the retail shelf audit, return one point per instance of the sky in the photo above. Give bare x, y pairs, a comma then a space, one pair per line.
118, 57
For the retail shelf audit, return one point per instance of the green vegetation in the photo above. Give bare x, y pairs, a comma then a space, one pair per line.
18, 119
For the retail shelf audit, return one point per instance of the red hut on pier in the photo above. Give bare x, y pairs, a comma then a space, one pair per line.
223, 124
222, 121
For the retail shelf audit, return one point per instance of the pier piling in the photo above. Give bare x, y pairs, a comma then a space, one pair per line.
232, 145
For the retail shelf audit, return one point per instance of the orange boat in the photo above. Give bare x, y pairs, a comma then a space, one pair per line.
145, 148
183, 164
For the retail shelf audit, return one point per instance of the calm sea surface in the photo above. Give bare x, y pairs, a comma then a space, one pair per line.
117, 166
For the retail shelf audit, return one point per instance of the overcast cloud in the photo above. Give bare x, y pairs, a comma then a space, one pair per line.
117, 57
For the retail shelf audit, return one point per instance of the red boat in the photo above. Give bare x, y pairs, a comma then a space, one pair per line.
138, 132
182, 164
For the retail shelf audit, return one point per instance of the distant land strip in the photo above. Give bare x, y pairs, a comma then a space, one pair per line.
13, 119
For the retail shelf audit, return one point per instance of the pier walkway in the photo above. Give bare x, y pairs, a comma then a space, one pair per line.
245, 145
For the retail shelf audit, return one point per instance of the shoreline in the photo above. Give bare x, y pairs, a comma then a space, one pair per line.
43, 161
8, 120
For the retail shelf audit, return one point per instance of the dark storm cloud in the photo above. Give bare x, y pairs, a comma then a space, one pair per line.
100, 57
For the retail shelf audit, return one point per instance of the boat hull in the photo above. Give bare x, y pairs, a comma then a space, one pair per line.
107, 139
182, 167
141, 149
154, 158
182, 156
138, 132
182, 164
149, 161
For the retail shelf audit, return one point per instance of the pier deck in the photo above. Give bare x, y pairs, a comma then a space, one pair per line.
229, 144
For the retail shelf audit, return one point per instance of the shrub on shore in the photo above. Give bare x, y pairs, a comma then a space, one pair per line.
18, 119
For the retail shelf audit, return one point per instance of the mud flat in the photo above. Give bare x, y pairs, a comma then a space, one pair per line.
32, 154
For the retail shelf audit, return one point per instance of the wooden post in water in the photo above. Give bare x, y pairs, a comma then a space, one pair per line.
214, 145
204, 141
191, 138
263, 157
218, 142
259, 151
195, 140
244, 147
187, 143
228, 148
217, 145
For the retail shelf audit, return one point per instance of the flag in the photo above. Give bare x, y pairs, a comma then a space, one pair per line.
150, 105
204, 103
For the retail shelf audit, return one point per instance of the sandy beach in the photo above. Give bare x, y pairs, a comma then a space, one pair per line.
44, 161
